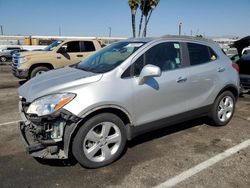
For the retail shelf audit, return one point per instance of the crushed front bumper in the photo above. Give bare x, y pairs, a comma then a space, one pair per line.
48, 136
48, 149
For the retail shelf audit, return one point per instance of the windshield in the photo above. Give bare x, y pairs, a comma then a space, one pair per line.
52, 46
109, 57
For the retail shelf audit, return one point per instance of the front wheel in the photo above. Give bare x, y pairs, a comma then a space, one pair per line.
223, 109
100, 141
3, 59
38, 70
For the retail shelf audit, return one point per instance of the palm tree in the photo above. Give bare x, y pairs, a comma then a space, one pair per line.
149, 7
133, 4
142, 7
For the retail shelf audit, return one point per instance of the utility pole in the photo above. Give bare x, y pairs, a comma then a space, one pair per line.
1, 30
180, 24
110, 29
60, 31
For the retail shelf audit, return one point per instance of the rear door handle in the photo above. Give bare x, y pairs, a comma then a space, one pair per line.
79, 55
221, 69
181, 79
58, 57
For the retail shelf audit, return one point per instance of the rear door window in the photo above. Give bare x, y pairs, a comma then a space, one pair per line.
199, 54
87, 46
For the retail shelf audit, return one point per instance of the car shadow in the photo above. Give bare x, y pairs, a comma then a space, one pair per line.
167, 131
57, 162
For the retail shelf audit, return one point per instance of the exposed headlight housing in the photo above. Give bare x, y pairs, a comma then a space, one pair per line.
50, 103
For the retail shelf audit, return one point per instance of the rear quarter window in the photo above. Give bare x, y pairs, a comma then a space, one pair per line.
199, 54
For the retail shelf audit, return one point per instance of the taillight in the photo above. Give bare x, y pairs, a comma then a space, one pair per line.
236, 67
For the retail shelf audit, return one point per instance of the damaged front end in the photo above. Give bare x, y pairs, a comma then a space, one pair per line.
47, 136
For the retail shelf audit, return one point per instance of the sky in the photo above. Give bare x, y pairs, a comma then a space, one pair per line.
94, 17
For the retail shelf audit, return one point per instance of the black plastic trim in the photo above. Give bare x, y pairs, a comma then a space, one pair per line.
133, 131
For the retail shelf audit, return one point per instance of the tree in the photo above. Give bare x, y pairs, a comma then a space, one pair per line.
142, 7
146, 7
149, 7
133, 4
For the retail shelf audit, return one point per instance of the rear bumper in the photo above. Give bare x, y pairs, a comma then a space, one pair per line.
245, 81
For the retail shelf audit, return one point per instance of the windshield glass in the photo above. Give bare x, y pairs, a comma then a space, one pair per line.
52, 46
109, 57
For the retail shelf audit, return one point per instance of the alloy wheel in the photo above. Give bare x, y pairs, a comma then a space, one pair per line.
225, 108
102, 142
40, 72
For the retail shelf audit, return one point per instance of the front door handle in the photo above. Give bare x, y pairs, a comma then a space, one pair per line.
58, 57
181, 79
221, 69
79, 55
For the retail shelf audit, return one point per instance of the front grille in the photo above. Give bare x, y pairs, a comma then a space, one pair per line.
14, 63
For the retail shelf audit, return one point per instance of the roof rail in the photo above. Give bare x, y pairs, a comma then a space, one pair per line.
185, 37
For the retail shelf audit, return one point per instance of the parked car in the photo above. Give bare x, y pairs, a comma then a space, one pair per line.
244, 66
6, 53
235, 57
242, 60
124, 90
17, 51
27, 65
246, 50
231, 52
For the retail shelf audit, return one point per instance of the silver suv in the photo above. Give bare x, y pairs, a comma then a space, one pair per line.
126, 89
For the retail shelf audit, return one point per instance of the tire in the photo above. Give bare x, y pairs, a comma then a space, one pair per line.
3, 59
38, 70
96, 144
243, 91
223, 109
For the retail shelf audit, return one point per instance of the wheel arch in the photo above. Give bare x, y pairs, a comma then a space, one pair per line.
119, 111
48, 65
232, 88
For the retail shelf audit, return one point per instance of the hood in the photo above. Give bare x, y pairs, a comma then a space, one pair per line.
56, 81
32, 53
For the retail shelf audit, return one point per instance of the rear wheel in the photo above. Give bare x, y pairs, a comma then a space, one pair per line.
38, 70
243, 91
223, 109
3, 59
100, 141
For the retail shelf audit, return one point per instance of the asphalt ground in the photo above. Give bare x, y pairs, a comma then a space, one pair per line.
150, 160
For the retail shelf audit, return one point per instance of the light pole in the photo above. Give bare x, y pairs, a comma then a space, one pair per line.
180, 24
110, 29
1, 29
60, 31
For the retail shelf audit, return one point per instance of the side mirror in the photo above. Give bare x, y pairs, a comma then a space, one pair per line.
147, 72
62, 50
